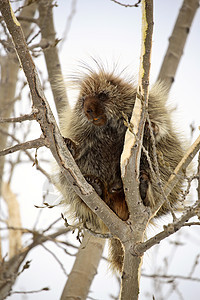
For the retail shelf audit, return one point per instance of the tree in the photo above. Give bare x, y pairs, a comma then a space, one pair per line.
52, 139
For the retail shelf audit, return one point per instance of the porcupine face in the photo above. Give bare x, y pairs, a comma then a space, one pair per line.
104, 97
94, 108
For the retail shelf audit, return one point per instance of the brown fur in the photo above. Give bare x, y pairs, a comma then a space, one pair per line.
94, 132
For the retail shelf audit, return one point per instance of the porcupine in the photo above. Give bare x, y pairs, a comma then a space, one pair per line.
94, 131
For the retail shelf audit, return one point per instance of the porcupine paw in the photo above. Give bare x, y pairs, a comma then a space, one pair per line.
71, 146
96, 183
116, 187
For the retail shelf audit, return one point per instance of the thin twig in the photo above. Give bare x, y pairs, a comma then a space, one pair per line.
189, 183
56, 258
127, 5
191, 224
37, 143
29, 155
35, 35
195, 264
28, 117
52, 224
171, 277
30, 292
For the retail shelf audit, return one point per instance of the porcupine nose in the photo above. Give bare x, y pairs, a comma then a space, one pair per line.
91, 108
94, 111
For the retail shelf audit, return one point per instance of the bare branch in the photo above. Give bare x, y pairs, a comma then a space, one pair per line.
40, 142
191, 224
195, 264
30, 292
171, 277
127, 5
168, 230
28, 117
34, 37
29, 155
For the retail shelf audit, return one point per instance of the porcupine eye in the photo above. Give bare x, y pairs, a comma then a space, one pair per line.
102, 96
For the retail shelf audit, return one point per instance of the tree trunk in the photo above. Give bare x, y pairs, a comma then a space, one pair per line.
84, 268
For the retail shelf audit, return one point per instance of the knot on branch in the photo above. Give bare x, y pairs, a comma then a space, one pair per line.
170, 228
136, 250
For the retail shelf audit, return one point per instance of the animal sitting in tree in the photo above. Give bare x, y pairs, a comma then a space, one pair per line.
94, 131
